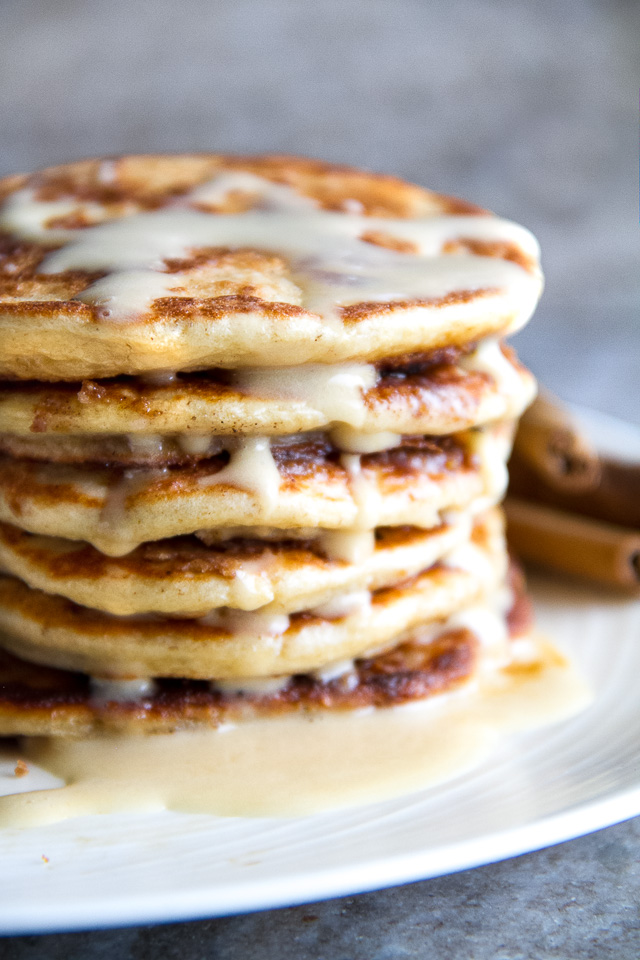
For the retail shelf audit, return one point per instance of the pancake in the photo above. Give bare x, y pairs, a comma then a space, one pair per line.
183, 575
44, 701
187, 263
487, 385
302, 485
229, 644
436, 393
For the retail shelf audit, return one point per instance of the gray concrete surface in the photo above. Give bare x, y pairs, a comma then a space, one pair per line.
529, 108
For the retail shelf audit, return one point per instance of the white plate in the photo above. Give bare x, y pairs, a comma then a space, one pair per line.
540, 788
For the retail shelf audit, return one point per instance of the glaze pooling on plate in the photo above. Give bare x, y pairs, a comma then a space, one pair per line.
299, 765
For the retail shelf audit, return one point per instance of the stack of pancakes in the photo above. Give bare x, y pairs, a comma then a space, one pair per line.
254, 420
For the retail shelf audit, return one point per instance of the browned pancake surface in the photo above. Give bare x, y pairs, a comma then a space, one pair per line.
146, 182
37, 700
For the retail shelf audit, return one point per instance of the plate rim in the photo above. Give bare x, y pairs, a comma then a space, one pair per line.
295, 890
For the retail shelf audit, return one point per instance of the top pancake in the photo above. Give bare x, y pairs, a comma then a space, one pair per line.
146, 264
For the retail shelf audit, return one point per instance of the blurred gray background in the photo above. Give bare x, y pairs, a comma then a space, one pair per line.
529, 108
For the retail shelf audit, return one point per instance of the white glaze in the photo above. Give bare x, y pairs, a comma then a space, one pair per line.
333, 266
336, 390
104, 689
252, 468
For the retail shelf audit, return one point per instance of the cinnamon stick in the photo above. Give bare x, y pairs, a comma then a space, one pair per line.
554, 463
573, 544
550, 443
